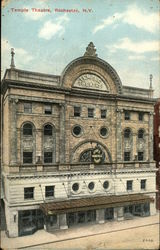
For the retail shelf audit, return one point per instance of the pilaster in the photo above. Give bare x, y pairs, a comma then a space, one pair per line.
63, 221
100, 216
119, 134
62, 134
120, 213
13, 130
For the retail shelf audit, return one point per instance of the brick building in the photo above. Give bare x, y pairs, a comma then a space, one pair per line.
77, 147
157, 147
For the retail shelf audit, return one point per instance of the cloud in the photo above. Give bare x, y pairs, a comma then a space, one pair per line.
34, 15
133, 16
136, 57
156, 58
140, 80
50, 28
22, 57
136, 47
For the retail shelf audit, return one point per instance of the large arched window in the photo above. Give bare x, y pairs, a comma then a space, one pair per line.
48, 130
28, 143
140, 134
27, 129
127, 133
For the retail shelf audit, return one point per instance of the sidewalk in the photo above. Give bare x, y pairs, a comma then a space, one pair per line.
43, 237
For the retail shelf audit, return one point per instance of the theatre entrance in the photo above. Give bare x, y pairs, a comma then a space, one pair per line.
81, 217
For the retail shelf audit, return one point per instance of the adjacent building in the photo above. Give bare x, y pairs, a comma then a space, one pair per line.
77, 147
157, 147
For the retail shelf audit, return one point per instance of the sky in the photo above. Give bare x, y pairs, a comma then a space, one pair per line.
124, 32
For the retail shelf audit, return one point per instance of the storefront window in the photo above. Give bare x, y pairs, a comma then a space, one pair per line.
30, 221
109, 213
81, 217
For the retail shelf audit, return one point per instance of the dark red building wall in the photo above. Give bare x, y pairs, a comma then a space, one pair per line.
157, 147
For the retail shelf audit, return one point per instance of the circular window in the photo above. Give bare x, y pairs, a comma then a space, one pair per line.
75, 187
103, 131
77, 130
105, 184
91, 185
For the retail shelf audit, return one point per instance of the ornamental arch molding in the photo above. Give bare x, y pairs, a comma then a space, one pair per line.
93, 66
82, 147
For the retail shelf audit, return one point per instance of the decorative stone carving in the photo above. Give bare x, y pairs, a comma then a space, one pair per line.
95, 155
90, 50
48, 143
28, 143
90, 81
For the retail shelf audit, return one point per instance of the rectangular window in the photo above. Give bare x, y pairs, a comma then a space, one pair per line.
48, 157
103, 113
29, 193
90, 112
28, 107
77, 111
140, 156
127, 115
49, 191
140, 116
129, 185
48, 109
143, 184
27, 157
126, 156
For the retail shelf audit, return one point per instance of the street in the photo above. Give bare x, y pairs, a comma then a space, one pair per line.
137, 238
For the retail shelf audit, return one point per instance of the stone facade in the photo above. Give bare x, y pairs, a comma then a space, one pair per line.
72, 129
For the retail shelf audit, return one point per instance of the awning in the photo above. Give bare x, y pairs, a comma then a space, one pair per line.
82, 204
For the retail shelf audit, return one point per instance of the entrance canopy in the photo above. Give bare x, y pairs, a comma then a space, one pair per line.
90, 203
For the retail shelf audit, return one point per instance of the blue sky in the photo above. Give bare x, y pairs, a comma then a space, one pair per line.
125, 33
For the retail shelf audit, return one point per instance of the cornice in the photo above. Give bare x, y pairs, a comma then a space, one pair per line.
110, 172
73, 92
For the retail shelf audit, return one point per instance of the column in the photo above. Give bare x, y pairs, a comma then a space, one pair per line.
115, 213
150, 137
100, 216
62, 134
63, 221
153, 205
120, 213
39, 142
13, 131
119, 134
11, 222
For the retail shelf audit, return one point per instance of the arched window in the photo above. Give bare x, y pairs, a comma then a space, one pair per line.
127, 133
141, 134
48, 130
27, 129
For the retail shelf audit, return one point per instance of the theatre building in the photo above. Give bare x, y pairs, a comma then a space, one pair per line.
77, 147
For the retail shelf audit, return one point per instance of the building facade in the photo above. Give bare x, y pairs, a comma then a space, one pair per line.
157, 146
77, 148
